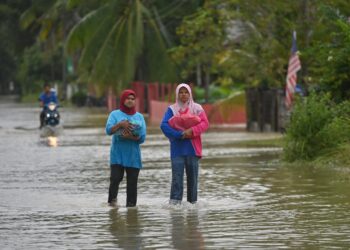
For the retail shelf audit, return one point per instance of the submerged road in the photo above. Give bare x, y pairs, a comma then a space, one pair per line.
53, 194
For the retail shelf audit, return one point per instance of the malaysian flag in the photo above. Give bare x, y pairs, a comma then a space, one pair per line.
293, 67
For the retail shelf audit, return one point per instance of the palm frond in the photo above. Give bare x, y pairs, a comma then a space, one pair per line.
86, 29
112, 38
27, 18
95, 42
110, 58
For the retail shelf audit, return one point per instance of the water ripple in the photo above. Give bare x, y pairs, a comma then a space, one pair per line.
55, 197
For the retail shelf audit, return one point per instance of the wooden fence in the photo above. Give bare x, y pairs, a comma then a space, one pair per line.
265, 110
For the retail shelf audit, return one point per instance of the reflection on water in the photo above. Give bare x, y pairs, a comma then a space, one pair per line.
125, 228
56, 196
52, 141
178, 228
185, 230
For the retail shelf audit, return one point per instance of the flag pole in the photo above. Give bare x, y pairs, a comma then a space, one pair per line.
294, 66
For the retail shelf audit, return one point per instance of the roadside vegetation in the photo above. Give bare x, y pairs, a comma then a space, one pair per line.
275, 141
319, 132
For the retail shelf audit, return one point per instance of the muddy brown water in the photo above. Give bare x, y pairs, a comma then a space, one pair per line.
54, 196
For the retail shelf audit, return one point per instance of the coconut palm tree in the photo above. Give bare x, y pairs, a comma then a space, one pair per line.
118, 42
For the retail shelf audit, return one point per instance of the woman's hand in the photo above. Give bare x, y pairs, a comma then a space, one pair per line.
125, 125
188, 133
128, 135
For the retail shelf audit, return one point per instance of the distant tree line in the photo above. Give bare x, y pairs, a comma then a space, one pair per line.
231, 44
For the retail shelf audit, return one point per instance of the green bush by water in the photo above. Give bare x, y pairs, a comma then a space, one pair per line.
317, 127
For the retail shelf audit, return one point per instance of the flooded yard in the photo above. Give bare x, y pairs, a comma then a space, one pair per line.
54, 196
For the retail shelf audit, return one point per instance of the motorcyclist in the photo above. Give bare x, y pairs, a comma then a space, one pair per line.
46, 97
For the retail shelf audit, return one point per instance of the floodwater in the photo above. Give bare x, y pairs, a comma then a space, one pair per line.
53, 193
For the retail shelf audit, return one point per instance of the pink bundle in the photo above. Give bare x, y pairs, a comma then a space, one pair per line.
184, 120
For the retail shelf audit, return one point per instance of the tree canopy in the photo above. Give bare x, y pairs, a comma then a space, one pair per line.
227, 43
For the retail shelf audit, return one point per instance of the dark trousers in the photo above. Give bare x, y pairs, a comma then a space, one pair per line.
42, 117
117, 174
178, 165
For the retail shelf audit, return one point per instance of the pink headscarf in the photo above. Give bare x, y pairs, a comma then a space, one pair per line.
178, 106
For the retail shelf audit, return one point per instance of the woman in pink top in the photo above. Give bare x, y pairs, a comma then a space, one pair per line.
185, 143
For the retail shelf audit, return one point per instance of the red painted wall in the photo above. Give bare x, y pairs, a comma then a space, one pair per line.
215, 116
158, 98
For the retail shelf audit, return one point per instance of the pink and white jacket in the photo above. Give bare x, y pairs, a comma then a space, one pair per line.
179, 146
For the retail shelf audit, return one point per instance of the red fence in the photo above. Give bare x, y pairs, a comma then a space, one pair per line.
160, 96
154, 98
148, 92
215, 116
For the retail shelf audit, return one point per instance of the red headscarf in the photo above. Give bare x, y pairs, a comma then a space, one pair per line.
123, 97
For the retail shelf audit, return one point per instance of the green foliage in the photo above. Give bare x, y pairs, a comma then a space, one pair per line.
335, 157
30, 71
7, 65
216, 93
198, 94
329, 58
229, 42
37, 68
79, 98
317, 126
237, 41
113, 38
201, 36
29, 98
12, 41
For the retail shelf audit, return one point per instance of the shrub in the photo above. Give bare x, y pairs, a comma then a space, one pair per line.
79, 98
317, 125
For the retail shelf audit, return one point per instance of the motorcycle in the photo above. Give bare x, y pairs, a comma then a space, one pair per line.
50, 121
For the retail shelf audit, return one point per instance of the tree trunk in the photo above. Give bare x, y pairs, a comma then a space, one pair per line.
111, 100
64, 75
207, 82
199, 75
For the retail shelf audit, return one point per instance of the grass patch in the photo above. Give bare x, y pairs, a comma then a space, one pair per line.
30, 98
337, 159
273, 142
34, 99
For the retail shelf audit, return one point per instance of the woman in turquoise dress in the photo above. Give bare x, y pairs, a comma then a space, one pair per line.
128, 130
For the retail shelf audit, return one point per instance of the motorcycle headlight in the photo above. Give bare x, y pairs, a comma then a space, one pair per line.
55, 115
47, 115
